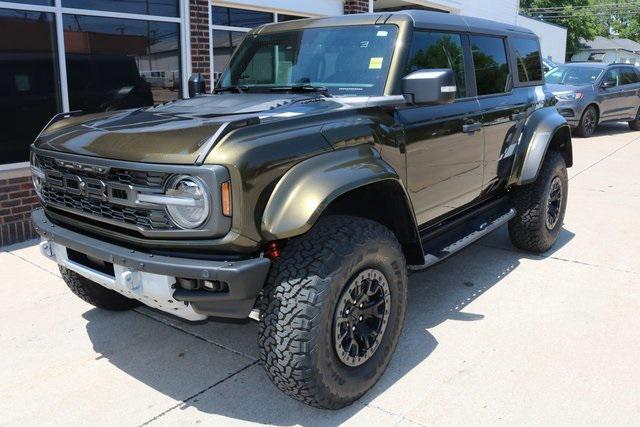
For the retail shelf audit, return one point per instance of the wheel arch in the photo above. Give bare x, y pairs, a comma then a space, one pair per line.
344, 182
545, 130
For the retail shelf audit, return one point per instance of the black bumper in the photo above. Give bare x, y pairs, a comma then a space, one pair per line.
245, 278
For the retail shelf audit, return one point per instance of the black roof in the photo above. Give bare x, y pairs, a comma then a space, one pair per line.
427, 19
421, 19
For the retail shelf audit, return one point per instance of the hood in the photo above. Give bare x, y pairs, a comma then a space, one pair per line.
179, 132
564, 89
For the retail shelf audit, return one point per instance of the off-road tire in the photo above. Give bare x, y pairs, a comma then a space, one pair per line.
528, 230
585, 129
635, 124
95, 294
297, 310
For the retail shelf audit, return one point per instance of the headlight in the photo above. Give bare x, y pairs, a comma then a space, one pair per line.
190, 207
574, 96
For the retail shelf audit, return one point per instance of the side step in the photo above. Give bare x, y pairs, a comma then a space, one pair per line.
462, 235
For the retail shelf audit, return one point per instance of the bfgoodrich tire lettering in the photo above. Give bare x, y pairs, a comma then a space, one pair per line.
95, 294
529, 229
296, 335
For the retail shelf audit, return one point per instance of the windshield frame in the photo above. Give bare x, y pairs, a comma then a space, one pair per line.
386, 88
565, 67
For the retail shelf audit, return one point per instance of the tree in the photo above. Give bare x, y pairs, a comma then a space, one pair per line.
579, 20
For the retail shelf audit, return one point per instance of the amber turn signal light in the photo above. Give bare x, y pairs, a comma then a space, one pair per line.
225, 194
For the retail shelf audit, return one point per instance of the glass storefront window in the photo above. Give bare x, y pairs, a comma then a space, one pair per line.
284, 18
239, 17
28, 80
145, 7
224, 43
116, 64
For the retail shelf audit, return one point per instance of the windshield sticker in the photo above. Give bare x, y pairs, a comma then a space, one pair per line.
382, 33
375, 63
364, 44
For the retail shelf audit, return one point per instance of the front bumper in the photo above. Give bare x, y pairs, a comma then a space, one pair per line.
151, 279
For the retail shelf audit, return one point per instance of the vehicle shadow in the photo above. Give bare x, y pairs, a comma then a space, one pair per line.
609, 129
439, 294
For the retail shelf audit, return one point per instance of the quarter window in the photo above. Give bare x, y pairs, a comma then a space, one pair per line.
529, 60
438, 50
491, 66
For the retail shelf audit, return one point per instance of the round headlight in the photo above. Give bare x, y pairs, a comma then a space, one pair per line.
191, 205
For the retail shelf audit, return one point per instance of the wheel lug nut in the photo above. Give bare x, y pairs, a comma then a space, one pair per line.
360, 318
347, 311
353, 328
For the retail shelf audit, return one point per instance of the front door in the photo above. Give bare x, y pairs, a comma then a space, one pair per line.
612, 104
444, 143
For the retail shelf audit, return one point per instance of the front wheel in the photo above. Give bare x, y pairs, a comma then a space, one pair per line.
540, 207
333, 310
588, 122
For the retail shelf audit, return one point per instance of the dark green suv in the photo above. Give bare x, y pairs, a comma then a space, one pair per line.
335, 155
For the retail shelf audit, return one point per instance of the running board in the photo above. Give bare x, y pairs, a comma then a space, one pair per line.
444, 246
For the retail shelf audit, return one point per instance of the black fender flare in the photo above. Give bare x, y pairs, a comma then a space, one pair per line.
542, 128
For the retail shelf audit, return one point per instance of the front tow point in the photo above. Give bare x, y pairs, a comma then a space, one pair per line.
46, 249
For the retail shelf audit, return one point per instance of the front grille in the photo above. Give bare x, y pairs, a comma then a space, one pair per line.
61, 189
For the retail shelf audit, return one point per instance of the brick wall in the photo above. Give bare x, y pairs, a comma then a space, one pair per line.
17, 200
199, 23
356, 6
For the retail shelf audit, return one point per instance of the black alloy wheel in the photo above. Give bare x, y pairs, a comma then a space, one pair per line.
361, 317
554, 203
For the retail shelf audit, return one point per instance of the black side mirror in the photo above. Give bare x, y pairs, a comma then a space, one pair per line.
609, 84
197, 85
437, 87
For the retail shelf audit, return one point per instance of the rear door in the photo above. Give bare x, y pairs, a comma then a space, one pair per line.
501, 108
444, 143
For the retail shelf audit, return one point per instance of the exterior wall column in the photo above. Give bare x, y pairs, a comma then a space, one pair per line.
356, 6
199, 14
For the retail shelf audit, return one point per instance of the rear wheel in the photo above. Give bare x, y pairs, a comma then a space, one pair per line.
95, 294
540, 207
333, 310
588, 122
635, 124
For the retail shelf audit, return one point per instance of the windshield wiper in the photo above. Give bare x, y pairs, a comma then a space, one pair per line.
234, 89
303, 88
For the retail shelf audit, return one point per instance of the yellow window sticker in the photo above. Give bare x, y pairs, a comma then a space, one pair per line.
375, 63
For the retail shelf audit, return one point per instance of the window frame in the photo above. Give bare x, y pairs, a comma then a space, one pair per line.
515, 74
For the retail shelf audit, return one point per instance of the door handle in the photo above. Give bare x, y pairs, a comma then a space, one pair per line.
471, 127
516, 117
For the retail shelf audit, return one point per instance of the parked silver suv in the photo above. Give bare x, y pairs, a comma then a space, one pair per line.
592, 93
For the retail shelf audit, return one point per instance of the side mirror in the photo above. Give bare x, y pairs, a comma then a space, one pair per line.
197, 85
437, 86
609, 84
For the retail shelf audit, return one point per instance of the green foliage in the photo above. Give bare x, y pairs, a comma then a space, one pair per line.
579, 22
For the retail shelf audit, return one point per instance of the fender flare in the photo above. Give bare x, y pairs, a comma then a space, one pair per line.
541, 128
306, 190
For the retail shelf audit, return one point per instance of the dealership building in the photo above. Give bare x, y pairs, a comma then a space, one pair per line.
99, 55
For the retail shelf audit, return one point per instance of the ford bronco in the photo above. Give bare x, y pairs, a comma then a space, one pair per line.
333, 156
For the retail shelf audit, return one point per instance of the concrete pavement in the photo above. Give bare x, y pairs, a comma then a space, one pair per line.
492, 335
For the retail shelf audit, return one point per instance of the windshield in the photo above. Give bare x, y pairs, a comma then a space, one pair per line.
573, 76
351, 61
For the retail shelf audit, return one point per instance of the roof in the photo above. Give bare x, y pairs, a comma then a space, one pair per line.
603, 43
420, 18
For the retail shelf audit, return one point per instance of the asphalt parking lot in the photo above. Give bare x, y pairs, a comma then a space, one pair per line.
492, 335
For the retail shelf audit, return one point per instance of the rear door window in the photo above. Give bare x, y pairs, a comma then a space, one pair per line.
528, 59
629, 76
430, 50
491, 65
